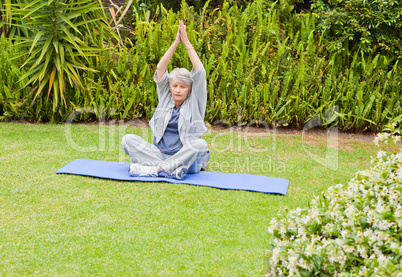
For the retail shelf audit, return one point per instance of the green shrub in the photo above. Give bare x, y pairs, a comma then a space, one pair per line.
263, 66
353, 230
198, 5
13, 99
120, 88
62, 35
372, 26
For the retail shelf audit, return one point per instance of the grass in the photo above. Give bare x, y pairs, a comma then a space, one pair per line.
71, 225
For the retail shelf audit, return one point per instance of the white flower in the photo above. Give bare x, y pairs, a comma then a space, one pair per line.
350, 211
382, 259
292, 262
275, 256
344, 233
376, 141
282, 230
362, 251
328, 228
271, 228
348, 248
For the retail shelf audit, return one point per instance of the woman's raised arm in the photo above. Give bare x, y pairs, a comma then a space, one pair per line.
195, 60
163, 63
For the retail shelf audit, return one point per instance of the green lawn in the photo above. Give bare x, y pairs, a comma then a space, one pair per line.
68, 225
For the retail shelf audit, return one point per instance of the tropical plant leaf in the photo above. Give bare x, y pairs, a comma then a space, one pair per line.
55, 53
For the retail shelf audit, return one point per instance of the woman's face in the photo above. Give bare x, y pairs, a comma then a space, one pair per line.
179, 92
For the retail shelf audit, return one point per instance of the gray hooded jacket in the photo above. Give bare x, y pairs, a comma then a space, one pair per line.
191, 119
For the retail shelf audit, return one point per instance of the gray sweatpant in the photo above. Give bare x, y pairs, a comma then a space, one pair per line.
193, 157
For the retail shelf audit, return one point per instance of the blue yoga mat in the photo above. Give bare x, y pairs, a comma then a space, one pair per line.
234, 181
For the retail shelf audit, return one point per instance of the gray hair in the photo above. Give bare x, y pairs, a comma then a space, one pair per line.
181, 75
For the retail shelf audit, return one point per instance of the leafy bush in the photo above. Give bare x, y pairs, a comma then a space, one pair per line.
197, 4
372, 26
12, 97
16, 100
353, 230
121, 88
264, 63
62, 35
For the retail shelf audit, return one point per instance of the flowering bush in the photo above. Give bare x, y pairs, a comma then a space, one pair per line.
353, 230
371, 26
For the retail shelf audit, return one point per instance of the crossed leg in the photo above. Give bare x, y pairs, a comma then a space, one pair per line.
192, 158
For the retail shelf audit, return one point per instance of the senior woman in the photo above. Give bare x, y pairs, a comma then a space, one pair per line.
177, 123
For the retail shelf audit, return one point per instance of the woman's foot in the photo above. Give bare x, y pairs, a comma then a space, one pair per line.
178, 173
138, 170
